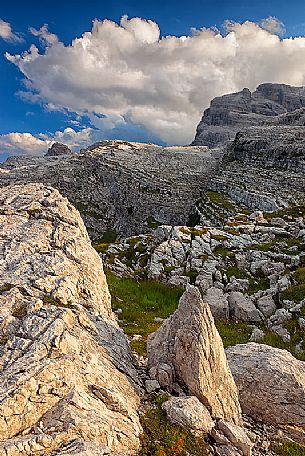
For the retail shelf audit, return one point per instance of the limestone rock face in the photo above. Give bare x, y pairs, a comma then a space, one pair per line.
187, 352
67, 377
232, 113
120, 187
271, 384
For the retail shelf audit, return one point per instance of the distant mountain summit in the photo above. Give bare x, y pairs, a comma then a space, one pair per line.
58, 149
232, 113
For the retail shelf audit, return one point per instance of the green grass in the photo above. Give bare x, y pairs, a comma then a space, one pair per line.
152, 222
220, 200
288, 449
299, 275
224, 252
141, 301
257, 284
233, 333
101, 247
293, 293
236, 272
292, 211
162, 438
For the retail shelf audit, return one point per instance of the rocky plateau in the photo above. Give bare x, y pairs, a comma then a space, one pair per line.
222, 222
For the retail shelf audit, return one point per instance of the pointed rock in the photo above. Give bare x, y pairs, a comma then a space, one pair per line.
187, 353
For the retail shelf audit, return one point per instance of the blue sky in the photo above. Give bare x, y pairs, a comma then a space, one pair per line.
70, 19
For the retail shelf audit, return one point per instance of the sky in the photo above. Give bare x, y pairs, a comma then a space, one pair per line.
78, 72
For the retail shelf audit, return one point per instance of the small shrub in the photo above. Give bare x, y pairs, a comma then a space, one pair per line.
20, 311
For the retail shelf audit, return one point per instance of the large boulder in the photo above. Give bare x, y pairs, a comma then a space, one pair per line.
190, 413
271, 384
218, 303
186, 352
242, 308
67, 375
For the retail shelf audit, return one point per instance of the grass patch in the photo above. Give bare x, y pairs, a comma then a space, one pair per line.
292, 211
224, 252
101, 247
288, 449
299, 275
220, 200
152, 222
108, 237
257, 284
236, 272
293, 293
141, 302
162, 438
233, 333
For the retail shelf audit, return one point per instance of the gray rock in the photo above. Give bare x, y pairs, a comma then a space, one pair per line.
242, 308
58, 149
122, 187
257, 335
279, 317
271, 384
282, 332
151, 385
237, 436
234, 112
266, 305
190, 413
218, 303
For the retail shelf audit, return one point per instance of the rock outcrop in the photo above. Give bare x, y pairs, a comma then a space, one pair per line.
122, 188
271, 384
232, 113
58, 149
190, 413
187, 353
68, 383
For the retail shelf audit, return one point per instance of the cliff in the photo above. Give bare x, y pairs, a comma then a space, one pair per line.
234, 112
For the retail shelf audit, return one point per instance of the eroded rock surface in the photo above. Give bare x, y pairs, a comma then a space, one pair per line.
67, 377
122, 188
187, 352
271, 384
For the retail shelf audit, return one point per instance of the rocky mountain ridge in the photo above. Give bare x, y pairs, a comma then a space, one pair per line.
232, 113
122, 188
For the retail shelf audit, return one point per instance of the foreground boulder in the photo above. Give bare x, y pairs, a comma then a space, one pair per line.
68, 384
271, 384
187, 353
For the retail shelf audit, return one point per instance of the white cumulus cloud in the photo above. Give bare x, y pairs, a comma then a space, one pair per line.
127, 72
28, 144
6, 32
